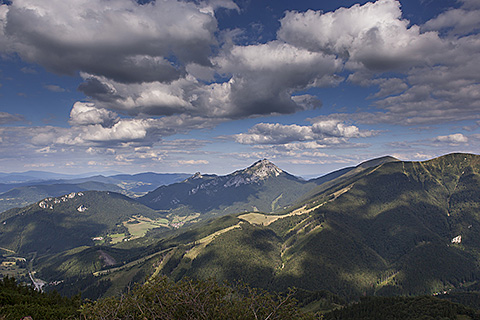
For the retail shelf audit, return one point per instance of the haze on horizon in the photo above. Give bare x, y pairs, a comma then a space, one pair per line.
215, 85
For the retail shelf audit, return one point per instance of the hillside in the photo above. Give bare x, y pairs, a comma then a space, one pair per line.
261, 187
18, 191
57, 224
381, 228
25, 195
395, 228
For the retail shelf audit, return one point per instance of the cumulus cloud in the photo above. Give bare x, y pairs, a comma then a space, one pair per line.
262, 80
87, 114
151, 98
149, 69
124, 51
192, 162
129, 130
458, 21
470, 4
388, 87
275, 133
47, 149
122, 40
456, 138
264, 76
92, 127
319, 134
373, 36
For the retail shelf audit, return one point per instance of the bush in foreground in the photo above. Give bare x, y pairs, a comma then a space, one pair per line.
18, 301
193, 299
404, 308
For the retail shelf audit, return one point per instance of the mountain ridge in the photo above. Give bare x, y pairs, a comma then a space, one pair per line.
258, 187
390, 229
384, 227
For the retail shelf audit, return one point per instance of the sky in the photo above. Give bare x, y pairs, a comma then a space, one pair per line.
215, 85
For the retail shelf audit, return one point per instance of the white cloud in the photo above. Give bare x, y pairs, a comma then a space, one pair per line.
47, 149
96, 151
335, 128
460, 21
86, 114
192, 162
264, 76
456, 138
262, 81
120, 39
388, 87
319, 134
470, 4
123, 130
372, 36
90, 130
149, 71
275, 133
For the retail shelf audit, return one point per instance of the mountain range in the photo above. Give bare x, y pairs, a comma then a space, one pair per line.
384, 227
260, 187
21, 189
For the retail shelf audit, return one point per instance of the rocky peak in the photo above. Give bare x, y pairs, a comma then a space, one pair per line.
263, 168
260, 170
196, 176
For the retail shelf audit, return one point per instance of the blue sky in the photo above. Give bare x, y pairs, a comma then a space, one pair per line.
213, 86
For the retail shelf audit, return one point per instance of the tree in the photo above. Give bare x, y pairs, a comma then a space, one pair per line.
162, 298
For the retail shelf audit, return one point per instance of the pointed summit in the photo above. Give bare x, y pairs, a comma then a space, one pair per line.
197, 175
263, 168
260, 170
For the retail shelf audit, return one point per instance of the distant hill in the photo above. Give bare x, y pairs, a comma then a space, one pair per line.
61, 223
26, 191
394, 228
260, 187
132, 183
26, 195
33, 175
385, 227
147, 181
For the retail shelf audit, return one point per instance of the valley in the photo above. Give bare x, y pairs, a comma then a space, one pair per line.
383, 228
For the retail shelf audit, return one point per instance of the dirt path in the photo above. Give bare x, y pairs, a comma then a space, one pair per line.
267, 219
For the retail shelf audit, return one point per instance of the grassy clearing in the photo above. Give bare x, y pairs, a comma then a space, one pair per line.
267, 219
162, 264
274, 202
138, 226
117, 237
14, 267
177, 221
